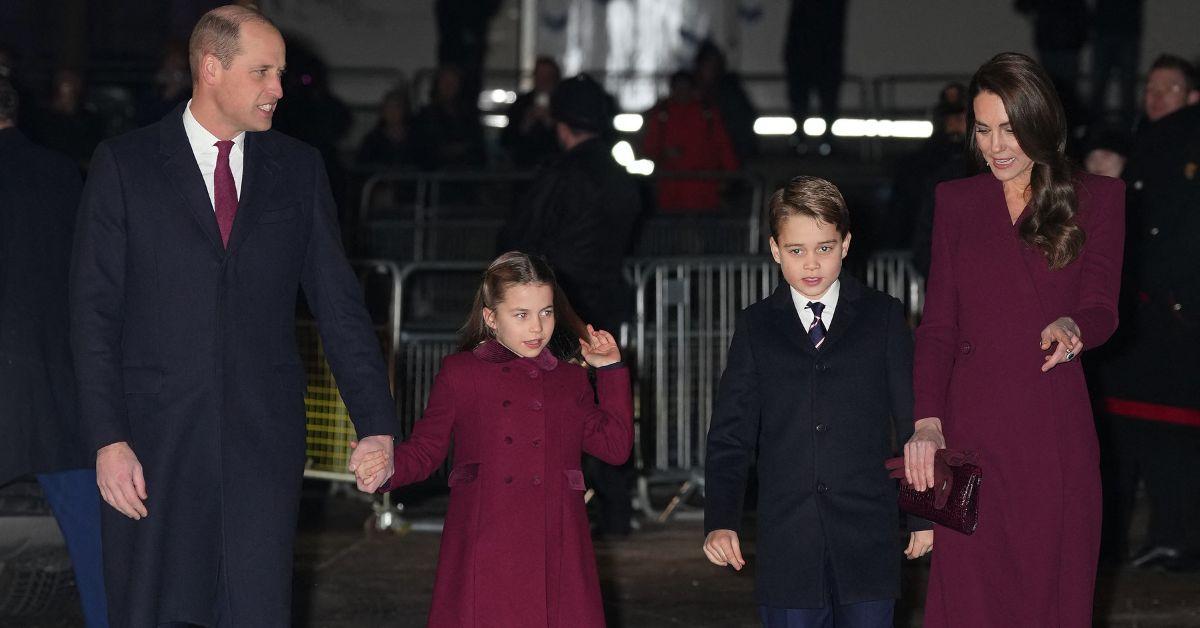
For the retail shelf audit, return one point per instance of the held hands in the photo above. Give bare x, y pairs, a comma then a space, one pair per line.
1066, 334
371, 462
920, 543
602, 349
121, 481
723, 549
919, 452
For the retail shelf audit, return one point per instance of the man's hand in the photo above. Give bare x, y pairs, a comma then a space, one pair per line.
365, 453
722, 548
119, 476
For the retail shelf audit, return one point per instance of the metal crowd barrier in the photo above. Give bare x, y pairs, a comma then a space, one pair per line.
684, 320
457, 216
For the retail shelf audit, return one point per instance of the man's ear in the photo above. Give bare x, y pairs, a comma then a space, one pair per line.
210, 68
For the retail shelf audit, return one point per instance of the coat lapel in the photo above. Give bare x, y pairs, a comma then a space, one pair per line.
259, 174
787, 321
184, 174
844, 315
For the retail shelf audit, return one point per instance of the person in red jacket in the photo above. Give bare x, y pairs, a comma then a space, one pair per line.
684, 133
516, 549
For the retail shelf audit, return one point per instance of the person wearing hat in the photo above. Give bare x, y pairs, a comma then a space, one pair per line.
580, 213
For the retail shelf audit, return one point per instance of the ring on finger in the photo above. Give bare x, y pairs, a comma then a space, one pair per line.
1070, 355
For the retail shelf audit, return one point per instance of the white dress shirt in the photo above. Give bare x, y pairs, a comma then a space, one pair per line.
204, 147
830, 299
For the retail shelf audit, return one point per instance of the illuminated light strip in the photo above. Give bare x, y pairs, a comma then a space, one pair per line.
628, 122
846, 127
496, 121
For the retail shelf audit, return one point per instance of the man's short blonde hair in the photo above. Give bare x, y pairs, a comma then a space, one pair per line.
218, 33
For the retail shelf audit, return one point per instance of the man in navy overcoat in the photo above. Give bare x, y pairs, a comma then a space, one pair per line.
193, 238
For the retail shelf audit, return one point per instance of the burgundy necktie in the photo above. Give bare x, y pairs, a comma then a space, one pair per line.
225, 199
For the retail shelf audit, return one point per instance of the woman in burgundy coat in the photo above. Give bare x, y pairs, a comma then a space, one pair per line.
516, 548
1025, 273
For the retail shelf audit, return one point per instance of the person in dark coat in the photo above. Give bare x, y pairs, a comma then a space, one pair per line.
193, 239
580, 213
39, 194
529, 136
519, 411
447, 134
819, 376
1147, 380
390, 143
1025, 274
815, 55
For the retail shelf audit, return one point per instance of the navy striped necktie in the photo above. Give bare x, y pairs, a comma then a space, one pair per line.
816, 331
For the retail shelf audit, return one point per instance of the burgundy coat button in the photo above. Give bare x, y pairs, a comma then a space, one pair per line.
508, 479
964, 347
508, 440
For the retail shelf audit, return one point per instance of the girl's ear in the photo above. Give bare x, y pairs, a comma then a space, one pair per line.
489, 318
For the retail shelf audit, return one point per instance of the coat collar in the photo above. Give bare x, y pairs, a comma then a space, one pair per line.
496, 353
258, 178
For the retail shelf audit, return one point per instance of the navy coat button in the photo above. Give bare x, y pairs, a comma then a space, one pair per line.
821, 488
822, 367
964, 347
820, 427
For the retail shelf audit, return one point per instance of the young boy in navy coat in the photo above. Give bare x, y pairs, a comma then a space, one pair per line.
819, 376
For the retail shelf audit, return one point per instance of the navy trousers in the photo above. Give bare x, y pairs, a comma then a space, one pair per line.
75, 501
870, 614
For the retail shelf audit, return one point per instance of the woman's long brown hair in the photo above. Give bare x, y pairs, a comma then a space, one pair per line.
515, 268
1037, 119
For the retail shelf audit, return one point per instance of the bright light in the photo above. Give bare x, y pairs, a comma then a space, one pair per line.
907, 128
814, 127
628, 122
853, 127
622, 152
643, 167
495, 121
503, 97
775, 125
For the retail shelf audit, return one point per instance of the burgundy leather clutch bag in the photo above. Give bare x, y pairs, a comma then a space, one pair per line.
953, 501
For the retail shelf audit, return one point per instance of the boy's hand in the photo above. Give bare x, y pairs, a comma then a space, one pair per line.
920, 543
602, 350
722, 548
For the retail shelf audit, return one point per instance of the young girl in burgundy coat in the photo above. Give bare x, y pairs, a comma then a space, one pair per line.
516, 549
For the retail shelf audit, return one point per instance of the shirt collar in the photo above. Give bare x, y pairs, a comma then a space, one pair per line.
199, 137
829, 299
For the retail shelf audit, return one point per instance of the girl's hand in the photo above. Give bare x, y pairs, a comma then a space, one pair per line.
919, 452
920, 543
368, 466
1066, 334
602, 350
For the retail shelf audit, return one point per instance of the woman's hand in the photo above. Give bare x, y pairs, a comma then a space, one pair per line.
920, 543
602, 349
1066, 334
919, 452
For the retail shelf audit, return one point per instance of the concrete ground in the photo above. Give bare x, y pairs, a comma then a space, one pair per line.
657, 577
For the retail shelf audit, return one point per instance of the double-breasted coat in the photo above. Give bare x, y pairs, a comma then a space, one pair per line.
822, 421
1032, 560
186, 349
516, 548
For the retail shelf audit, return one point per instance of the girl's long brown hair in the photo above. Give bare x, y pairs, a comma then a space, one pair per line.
1037, 119
515, 268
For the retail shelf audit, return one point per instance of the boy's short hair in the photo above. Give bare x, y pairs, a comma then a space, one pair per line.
1179, 64
813, 197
